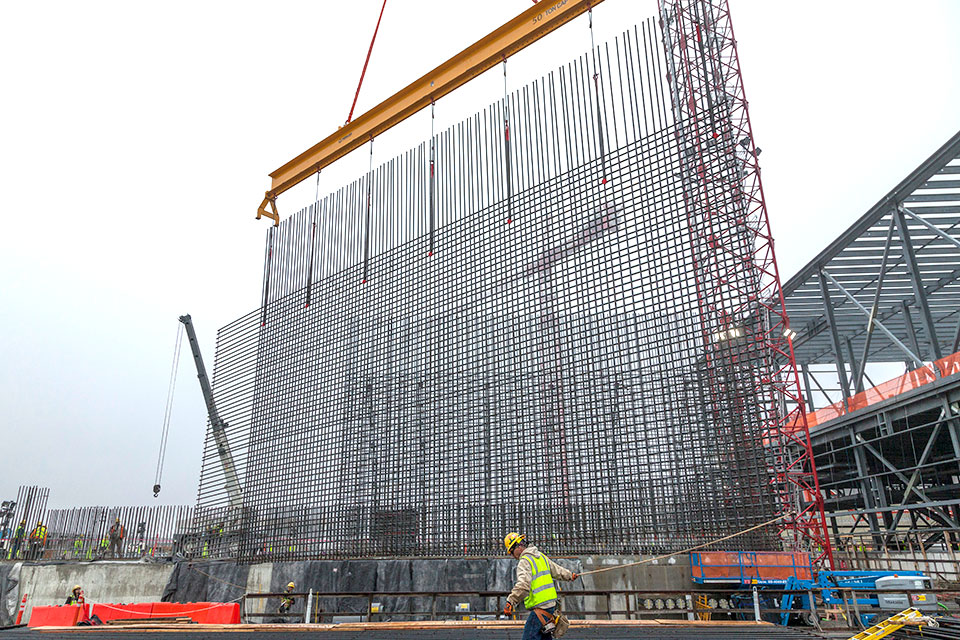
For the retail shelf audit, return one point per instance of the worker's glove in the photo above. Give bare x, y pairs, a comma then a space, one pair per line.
508, 609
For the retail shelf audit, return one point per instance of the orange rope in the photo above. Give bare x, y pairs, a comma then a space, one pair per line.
365, 63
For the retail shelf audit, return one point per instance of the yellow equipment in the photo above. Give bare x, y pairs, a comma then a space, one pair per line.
894, 622
512, 539
528, 27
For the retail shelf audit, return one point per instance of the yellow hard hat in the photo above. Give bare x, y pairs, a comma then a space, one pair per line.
512, 539
290, 585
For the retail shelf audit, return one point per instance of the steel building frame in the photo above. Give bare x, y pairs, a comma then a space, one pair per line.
886, 292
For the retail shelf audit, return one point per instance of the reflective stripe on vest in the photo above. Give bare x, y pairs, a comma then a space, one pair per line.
541, 586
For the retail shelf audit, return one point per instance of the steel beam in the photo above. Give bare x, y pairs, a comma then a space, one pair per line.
528, 27
832, 323
931, 166
856, 303
910, 255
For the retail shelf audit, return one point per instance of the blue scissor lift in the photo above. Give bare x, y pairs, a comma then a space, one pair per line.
795, 572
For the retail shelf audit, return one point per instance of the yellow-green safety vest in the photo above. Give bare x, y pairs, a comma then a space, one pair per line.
541, 586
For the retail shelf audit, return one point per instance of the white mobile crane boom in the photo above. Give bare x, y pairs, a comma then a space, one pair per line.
217, 426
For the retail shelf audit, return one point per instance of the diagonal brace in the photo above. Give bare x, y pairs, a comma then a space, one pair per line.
876, 454
946, 236
916, 472
876, 322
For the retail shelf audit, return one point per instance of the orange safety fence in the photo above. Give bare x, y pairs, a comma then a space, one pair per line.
57, 616
199, 612
947, 366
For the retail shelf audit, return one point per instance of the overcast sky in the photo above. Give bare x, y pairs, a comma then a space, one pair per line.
136, 139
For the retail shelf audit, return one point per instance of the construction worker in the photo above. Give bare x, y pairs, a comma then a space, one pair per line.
287, 601
38, 538
76, 596
116, 535
18, 537
535, 587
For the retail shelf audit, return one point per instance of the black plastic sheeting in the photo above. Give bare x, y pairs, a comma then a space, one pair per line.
206, 582
405, 575
9, 583
226, 581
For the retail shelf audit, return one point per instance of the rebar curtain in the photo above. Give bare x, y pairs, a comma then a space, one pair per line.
499, 329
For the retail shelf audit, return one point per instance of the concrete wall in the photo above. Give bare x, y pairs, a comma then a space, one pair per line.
128, 582
663, 575
106, 581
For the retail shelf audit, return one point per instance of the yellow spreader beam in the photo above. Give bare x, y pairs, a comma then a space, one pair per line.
528, 27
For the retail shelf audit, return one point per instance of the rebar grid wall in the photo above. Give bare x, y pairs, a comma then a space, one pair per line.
19, 519
502, 330
83, 533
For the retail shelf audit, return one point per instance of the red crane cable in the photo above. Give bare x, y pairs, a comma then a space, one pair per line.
365, 63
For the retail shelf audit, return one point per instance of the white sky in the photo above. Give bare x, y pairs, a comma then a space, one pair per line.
136, 139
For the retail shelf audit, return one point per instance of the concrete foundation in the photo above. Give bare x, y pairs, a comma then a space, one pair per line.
129, 582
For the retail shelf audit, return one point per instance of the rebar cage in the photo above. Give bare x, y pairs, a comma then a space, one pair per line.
505, 328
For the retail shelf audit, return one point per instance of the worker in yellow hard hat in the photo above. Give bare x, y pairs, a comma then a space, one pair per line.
534, 587
287, 601
76, 596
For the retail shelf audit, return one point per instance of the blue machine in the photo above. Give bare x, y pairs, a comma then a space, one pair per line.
795, 572
867, 587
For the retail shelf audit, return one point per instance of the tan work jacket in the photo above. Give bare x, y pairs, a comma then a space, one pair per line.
525, 576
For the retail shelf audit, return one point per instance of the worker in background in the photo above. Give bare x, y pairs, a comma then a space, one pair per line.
76, 596
116, 535
287, 601
535, 587
18, 537
38, 538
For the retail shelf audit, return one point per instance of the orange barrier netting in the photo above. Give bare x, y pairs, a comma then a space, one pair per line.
199, 612
947, 366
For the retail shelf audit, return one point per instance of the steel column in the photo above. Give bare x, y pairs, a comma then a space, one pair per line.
858, 384
806, 384
912, 334
866, 486
835, 338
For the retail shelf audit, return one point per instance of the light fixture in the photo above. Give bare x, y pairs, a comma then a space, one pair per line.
728, 334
